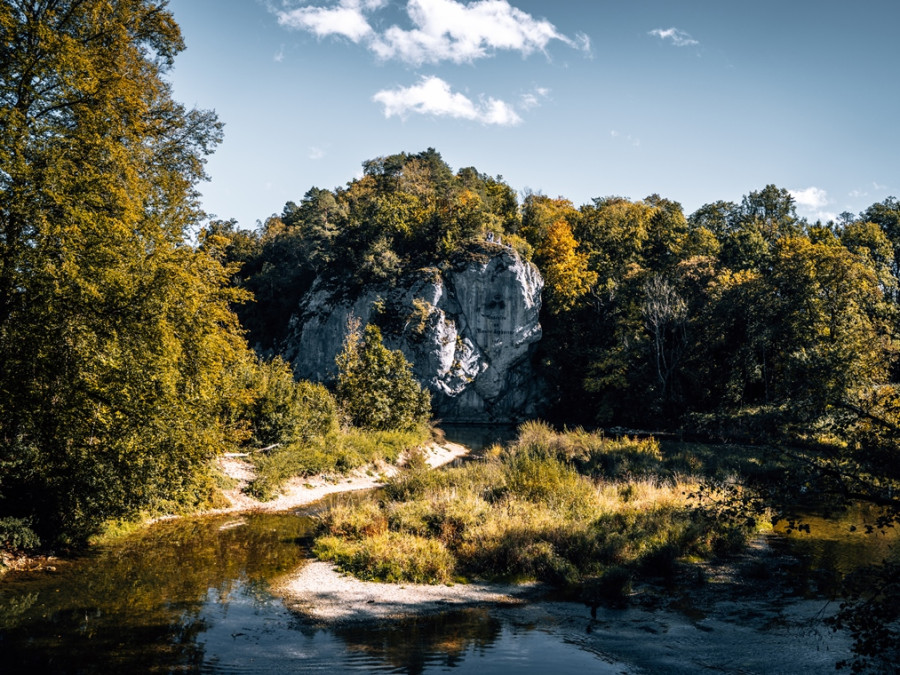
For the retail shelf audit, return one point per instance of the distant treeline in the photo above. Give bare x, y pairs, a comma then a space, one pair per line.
739, 314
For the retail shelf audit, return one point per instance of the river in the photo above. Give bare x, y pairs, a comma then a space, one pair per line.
193, 595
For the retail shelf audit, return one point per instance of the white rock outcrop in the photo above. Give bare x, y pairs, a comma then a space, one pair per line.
469, 331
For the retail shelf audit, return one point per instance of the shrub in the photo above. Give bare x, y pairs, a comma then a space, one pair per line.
376, 387
389, 556
285, 411
16, 534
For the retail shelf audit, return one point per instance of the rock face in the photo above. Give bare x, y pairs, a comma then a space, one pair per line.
470, 333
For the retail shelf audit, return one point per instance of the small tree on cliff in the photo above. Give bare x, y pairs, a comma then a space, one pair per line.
376, 388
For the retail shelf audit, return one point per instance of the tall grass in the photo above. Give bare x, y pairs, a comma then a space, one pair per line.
543, 509
337, 453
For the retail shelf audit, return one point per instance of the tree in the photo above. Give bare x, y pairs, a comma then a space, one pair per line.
117, 344
376, 388
565, 269
665, 316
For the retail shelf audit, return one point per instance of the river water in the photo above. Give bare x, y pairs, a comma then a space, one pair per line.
192, 595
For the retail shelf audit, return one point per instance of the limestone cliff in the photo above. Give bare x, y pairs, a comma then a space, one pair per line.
469, 331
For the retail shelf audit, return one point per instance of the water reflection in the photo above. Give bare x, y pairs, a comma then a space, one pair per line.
832, 548
142, 601
413, 644
192, 596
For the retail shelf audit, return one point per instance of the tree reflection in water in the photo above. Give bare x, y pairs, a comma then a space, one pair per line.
412, 644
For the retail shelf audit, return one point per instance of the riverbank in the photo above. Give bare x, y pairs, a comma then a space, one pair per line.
715, 617
301, 491
296, 492
320, 592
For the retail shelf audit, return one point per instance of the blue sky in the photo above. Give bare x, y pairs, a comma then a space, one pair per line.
695, 101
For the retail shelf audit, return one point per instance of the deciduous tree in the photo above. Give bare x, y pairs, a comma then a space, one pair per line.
117, 343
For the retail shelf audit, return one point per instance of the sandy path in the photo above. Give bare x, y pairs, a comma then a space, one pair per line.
302, 491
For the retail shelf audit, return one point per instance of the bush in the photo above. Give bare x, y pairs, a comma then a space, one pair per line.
389, 556
285, 411
376, 387
16, 535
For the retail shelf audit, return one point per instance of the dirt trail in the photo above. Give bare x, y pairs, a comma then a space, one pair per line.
301, 491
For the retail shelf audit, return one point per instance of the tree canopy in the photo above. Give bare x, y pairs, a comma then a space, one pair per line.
117, 341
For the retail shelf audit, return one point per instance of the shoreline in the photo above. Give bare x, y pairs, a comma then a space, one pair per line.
322, 593
301, 491
297, 492
728, 624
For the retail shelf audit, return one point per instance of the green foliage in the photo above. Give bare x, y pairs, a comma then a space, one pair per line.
335, 454
405, 212
16, 535
284, 411
376, 388
117, 344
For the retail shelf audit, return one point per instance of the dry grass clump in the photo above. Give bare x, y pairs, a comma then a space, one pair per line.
389, 556
593, 454
539, 509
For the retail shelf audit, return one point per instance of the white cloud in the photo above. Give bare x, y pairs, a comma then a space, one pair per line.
433, 96
878, 186
448, 30
278, 57
583, 41
811, 203
678, 37
346, 18
533, 98
811, 198
858, 193
316, 152
441, 30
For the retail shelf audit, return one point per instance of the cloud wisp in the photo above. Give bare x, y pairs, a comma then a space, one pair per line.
433, 96
676, 36
813, 201
440, 30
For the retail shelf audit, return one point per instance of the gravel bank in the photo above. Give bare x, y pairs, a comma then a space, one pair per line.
322, 593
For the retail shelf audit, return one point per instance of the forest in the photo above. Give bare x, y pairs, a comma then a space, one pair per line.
139, 341
738, 314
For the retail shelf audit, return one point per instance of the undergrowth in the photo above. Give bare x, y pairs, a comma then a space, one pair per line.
338, 452
576, 510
